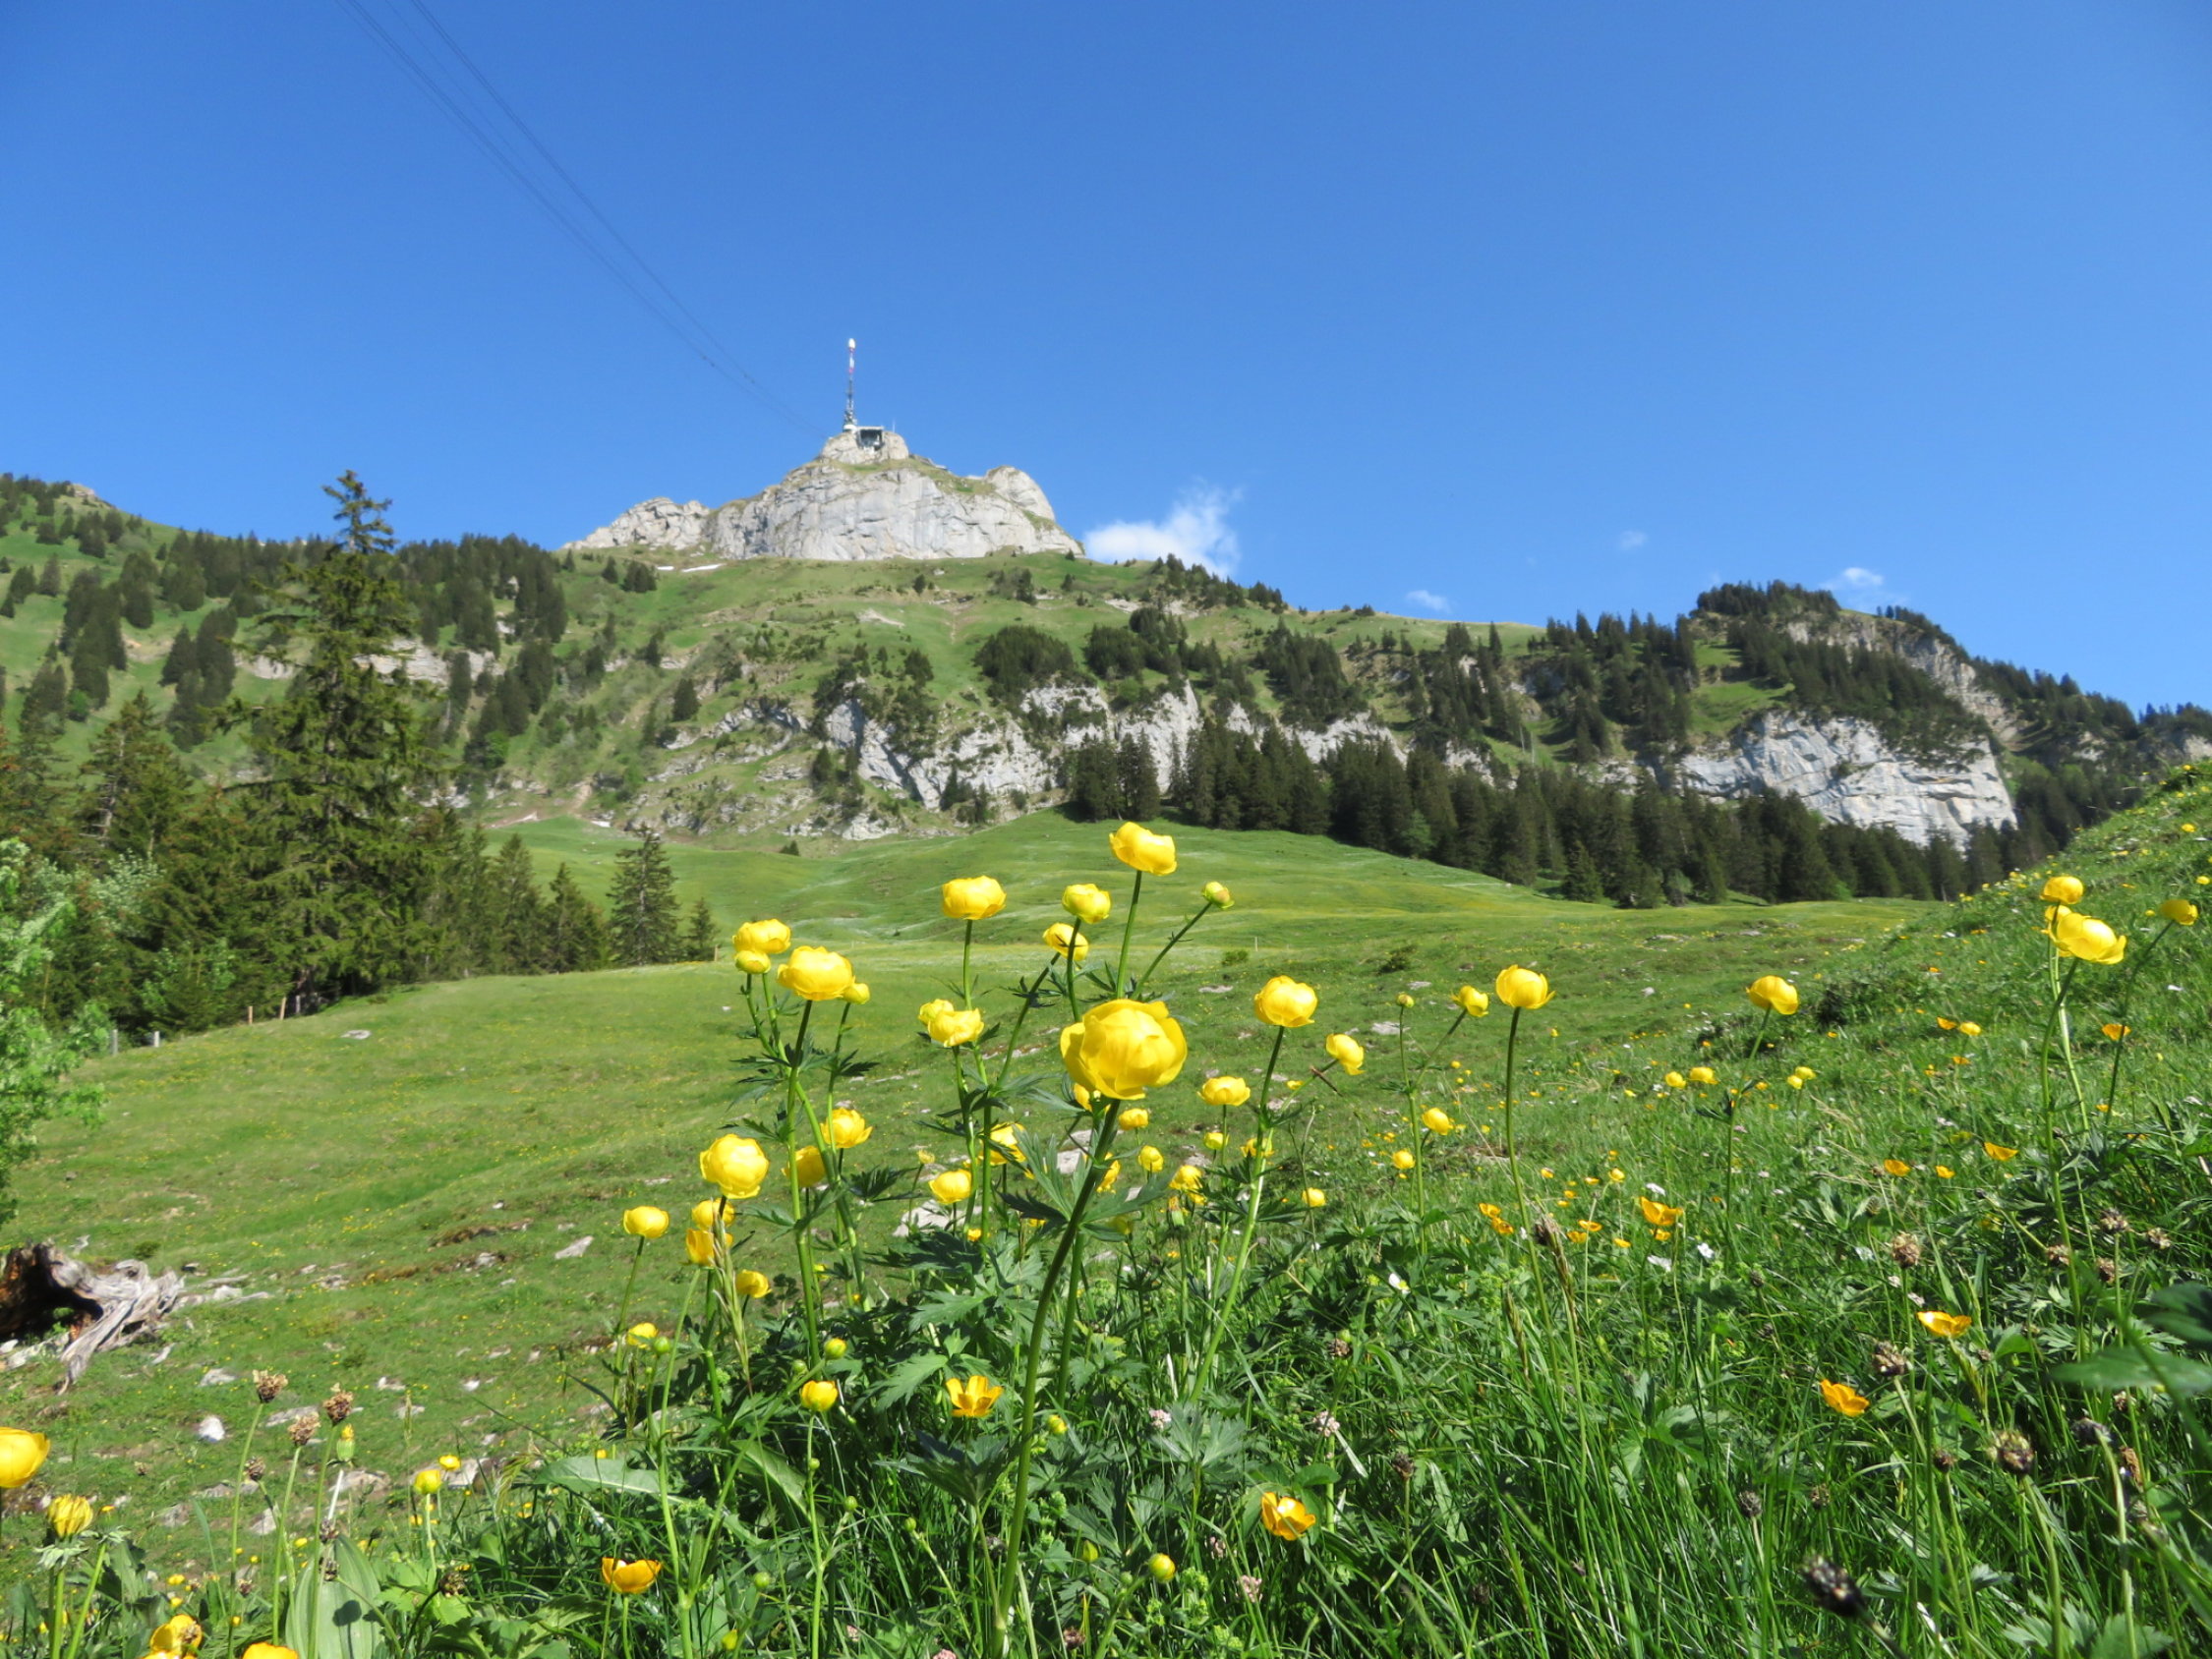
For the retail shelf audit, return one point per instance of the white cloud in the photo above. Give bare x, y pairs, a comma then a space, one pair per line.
1429, 602
1631, 540
1855, 580
1196, 530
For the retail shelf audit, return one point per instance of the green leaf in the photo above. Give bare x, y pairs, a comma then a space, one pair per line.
588, 1472
335, 1618
773, 1470
2182, 1310
2119, 1368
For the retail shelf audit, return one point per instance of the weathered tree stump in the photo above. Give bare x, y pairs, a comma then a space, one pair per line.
40, 1286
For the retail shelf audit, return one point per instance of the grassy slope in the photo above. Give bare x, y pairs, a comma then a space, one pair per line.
327, 1171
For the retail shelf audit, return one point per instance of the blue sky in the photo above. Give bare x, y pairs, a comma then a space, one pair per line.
1520, 308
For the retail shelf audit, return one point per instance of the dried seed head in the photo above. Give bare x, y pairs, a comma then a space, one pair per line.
1324, 1423
1833, 1587
329, 1532
1817, 1498
2123, 1404
2013, 1452
255, 1468
1757, 1278
339, 1406
1946, 1458
2087, 1431
301, 1429
1890, 1361
1402, 1465
1546, 1231
2112, 1221
1751, 1504
1904, 1251
2131, 1466
1480, 1594
268, 1384
329, 1569
1216, 1545
454, 1581
2159, 1238
1339, 1348
1767, 1333
2057, 1255
2107, 1269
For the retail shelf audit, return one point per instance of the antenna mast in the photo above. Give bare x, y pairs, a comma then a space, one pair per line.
852, 361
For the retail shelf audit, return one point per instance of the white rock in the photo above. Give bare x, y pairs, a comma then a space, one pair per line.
212, 1429
569, 1252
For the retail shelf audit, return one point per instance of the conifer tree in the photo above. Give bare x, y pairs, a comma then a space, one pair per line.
575, 932
642, 907
700, 934
514, 912
137, 788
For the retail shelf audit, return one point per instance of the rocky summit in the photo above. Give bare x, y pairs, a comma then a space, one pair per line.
867, 496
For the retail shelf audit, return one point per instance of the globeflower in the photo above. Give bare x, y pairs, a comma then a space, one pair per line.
1151, 1160
1773, 992
1702, 1075
1122, 1048
735, 1165
627, 1577
808, 1167
68, 1516
821, 1395
972, 898
1402, 1159
1347, 1051
1187, 1177
645, 1222
269, 1650
1132, 1118
1895, 1167
1218, 896
752, 963
817, 975
1315, 1198
1841, 1397
428, 1480
1225, 1091
953, 1028
1062, 938
20, 1454
1087, 902
2002, 1153
1472, 1002
1283, 1516
1523, 988
768, 937
856, 994
975, 1397
698, 1246
2063, 889
2085, 938
1436, 1120
1161, 1567
176, 1635
1675, 1080
1285, 1003
751, 1284
847, 1128
1142, 851
952, 1186
2179, 911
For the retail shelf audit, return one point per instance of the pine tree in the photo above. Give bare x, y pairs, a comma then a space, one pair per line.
684, 702
136, 786
642, 907
574, 932
516, 912
700, 934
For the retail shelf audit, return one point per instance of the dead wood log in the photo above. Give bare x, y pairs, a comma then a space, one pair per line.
41, 1287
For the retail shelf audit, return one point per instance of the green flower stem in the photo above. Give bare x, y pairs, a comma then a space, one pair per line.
1128, 928
968, 982
1252, 1226
622, 1314
794, 1097
1174, 939
2127, 1001
1512, 1147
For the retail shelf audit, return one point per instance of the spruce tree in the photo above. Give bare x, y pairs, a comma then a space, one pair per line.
700, 934
135, 787
642, 907
515, 912
575, 934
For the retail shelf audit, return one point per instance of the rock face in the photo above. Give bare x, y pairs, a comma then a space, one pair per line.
865, 496
1845, 771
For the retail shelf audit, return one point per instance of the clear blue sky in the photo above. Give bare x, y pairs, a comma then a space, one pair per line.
1523, 307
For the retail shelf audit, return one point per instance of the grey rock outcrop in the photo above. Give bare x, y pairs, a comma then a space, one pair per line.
865, 496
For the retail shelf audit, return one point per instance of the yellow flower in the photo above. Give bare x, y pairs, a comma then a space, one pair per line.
1134, 1117
836, 1347
640, 1335
1187, 1178
1151, 1160
858, 994
707, 1213
735, 1165
1141, 850
1474, 1003
1804, 1074
1284, 1001
2063, 889
1284, 1515
1794, 1081
952, 1186
808, 1167
20, 1454
699, 1246
973, 1396
1087, 903
1315, 1198
1656, 1214
2115, 1030
1007, 1137
1225, 1091
645, 1222
1967, 1028
751, 1284
847, 1128
1773, 992
177, 1634
428, 1480
68, 1516
627, 1577
2086, 938
2002, 1153
1436, 1120
769, 939
1218, 896
1161, 1567
1346, 1051
953, 1028
752, 963
1523, 988
1402, 1159
1895, 1167
1946, 1324
1675, 1080
1702, 1075
2179, 911
930, 1010
818, 1396
1843, 1397
1216, 1140
817, 975
1056, 1423
1061, 936
1123, 1047
268, 1650
1943, 1171
973, 898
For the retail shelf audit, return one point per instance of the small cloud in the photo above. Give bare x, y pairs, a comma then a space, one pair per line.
1429, 602
1631, 540
1856, 580
1196, 530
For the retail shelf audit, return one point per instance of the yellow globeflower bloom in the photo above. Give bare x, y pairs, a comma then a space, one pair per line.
1675, 1080
1283, 1516
752, 963
818, 1396
751, 1284
1134, 1117
1438, 1121
2086, 938
953, 1028
269, 1650
1216, 1140
645, 1222
2178, 911
735, 1165
1151, 1160
428, 1480
1087, 902
2063, 889
640, 1335
1523, 988
1315, 1198
1347, 1051
1061, 937
817, 975
1473, 1003
930, 1010
1141, 850
1006, 1139
768, 937
1225, 1091
952, 1186
1843, 1397
1702, 1075
972, 898
698, 1246
707, 1213
1656, 1214
2002, 1153
1951, 1325
847, 1128
176, 1635
627, 1577
1284, 1001
1123, 1047
975, 1397
1187, 1178
808, 1167
856, 994
1967, 1028
1218, 896
68, 1516
1402, 1159
20, 1454
1773, 992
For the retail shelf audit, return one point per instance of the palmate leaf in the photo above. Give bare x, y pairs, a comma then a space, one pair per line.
2135, 1367
2182, 1310
965, 1472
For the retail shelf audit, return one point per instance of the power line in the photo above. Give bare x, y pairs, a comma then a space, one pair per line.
483, 132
